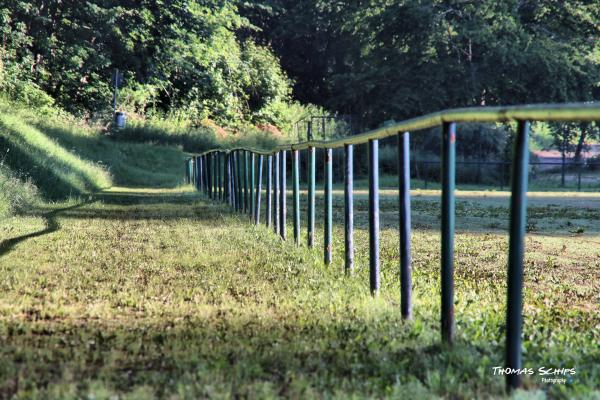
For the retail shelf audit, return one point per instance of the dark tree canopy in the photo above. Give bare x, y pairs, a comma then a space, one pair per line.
383, 59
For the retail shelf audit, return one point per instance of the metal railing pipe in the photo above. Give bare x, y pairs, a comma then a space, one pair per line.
349, 208
296, 194
310, 224
374, 265
276, 193
516, 253
282, 195
252, 183
405, 225
258, 189
245, 178
268, 192
328, 214
448, 217
239, 181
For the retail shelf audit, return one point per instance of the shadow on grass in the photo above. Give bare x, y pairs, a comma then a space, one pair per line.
44, 170
126, 206
51, 226
225, 356
231, 356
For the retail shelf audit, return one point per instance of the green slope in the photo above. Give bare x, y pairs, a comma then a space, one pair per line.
54, 158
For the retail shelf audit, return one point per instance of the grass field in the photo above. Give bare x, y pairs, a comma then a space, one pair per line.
155, 293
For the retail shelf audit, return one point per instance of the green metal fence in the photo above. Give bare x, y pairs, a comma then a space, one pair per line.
235, 177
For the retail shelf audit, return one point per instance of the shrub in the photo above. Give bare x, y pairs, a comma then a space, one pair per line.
170, 132
16, 194
594, 163
478, 146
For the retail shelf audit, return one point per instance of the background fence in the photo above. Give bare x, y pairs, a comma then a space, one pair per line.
496, 174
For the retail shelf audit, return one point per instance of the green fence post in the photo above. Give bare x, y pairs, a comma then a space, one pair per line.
312, 166
252, 177
448, 218
233, 172
245, 177
276, 192
349, 208
192, 169
268, 192
405, 225
328, 214
203, 176
374, 275
200, 173
239, 182
226, 183
518, 218
209, 171
224, 175
283, 195
221, 177
186, 164
215, 165
193, 164
258, 190
296, 190
215, 175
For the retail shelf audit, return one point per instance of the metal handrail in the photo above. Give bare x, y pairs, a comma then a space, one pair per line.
229, 176
530, 112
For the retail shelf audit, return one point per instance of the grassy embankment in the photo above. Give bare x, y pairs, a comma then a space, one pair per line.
147, 291
49, 158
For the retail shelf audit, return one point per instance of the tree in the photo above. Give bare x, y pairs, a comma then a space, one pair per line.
392, 59
179, 56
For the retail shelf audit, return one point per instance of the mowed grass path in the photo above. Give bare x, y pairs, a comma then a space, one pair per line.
138, 293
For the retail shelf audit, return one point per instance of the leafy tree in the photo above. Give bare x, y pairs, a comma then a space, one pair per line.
179, 56
391, 59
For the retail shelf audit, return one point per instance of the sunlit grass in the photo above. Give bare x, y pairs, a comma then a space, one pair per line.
153, 293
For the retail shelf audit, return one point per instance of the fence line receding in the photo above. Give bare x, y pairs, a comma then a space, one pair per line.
226, 176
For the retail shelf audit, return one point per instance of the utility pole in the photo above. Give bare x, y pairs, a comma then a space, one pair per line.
564, 150
117, 82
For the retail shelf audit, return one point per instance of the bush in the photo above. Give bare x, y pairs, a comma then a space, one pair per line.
478, 146
388, 160
16, 195
169, 132
594, 163
197, 137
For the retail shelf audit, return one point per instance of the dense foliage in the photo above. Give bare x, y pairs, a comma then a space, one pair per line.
384, 59
229, 61
180, 56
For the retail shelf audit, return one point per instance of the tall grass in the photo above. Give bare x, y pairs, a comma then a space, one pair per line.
129, 163
196, 138
55, 170
54, 156
16, 195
